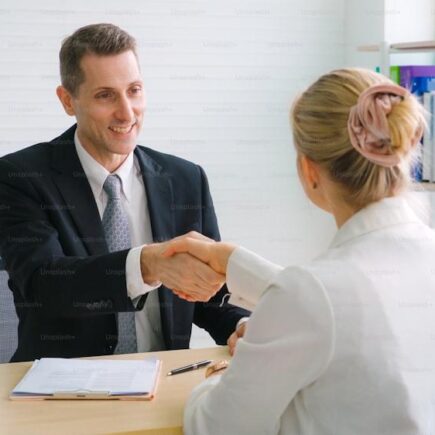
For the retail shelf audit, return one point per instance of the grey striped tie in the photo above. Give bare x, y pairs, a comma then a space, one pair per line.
115, 226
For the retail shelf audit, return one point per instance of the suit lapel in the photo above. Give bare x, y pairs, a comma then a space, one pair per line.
77, 193
158, 187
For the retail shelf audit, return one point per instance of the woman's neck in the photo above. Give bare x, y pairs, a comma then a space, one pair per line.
342, 214
339, 208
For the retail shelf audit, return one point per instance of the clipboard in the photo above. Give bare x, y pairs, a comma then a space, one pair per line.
20, 393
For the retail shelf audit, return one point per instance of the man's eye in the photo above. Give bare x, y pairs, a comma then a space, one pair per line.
136, 90
104, 95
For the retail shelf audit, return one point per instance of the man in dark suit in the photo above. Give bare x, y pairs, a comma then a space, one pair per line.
81, 254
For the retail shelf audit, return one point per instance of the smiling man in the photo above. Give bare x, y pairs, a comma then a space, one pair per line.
108, 104
88, 215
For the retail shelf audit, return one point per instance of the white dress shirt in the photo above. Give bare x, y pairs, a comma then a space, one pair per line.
134, 201
343, 345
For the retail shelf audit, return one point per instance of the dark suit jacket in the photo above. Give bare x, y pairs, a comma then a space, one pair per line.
67, 287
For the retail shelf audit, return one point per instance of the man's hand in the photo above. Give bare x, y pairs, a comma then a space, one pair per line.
238, 333
187, 276
215, 254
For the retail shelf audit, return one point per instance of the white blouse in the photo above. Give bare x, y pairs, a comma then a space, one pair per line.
342, 345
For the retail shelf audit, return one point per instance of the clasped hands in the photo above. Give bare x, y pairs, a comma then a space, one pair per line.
192, 266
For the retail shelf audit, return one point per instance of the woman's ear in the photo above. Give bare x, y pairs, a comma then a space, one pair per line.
309, 172
315, 182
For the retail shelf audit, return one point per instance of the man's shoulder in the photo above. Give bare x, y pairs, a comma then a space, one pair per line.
39, 153
35, 156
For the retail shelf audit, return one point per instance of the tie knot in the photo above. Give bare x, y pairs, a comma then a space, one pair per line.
112, 186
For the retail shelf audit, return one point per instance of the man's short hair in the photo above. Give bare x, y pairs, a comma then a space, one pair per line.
101, 39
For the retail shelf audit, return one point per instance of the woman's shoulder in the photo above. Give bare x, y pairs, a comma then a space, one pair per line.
301, 286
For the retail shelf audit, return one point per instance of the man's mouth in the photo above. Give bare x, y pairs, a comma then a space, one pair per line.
122, 130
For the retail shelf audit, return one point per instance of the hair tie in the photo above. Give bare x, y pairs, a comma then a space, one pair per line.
368, 125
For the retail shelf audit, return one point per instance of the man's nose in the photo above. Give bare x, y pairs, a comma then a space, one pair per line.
124, 109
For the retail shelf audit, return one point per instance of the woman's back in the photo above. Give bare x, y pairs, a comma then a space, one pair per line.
379, 275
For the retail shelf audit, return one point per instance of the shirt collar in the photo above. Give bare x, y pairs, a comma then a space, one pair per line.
97, 174
381, 214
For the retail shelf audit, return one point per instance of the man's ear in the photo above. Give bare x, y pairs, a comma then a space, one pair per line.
310, 172
66, 99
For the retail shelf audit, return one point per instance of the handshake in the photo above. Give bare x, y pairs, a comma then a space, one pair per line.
192, 266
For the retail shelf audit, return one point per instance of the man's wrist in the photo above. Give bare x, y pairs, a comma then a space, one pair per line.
136, 286
148, 264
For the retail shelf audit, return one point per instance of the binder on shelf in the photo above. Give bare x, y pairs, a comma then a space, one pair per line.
431, 128
428, 138
418, 78
77, 379
395, 74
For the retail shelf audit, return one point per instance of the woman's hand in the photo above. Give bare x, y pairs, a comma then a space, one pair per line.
216, 368
215, 254
236, 335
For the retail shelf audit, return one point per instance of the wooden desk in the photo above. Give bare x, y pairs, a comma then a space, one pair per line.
163, 415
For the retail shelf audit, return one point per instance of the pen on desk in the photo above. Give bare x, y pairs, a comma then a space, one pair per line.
190, 367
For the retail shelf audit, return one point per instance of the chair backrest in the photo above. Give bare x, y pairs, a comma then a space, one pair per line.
8, 320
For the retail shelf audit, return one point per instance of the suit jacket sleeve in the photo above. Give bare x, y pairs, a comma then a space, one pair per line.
38, 268
216, 316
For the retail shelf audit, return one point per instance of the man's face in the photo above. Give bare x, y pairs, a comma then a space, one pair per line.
109, 105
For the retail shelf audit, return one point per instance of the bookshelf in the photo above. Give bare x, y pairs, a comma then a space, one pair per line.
423, 186
386, 50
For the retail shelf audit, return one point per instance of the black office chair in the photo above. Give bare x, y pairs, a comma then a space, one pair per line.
8, 319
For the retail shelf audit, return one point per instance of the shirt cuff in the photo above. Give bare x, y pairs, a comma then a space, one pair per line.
241, 321
135, 285
248, 276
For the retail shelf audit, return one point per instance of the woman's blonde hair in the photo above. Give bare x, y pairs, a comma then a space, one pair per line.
319, 119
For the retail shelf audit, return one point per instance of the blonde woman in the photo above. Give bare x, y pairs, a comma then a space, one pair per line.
346, 343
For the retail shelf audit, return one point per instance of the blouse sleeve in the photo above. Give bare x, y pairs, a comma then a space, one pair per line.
287, 346
248, 276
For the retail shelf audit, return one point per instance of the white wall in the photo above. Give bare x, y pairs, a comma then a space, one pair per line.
220, 77
375, 21
410, 21
364, 25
